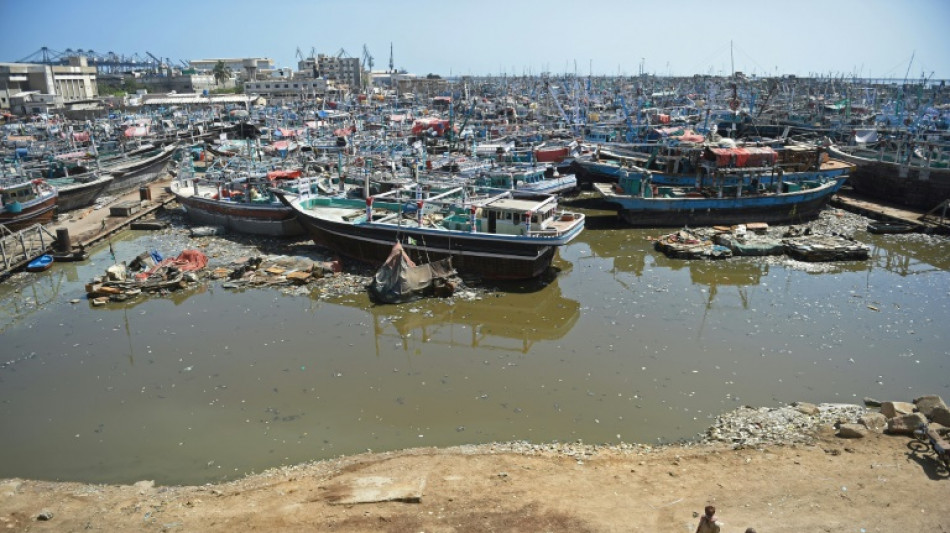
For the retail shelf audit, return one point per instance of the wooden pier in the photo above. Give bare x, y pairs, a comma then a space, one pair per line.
85, 227
17, 248
935, 221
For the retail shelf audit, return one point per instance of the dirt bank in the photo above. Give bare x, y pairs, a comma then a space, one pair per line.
875, 484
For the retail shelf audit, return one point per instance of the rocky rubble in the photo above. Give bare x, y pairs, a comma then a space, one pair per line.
791, 424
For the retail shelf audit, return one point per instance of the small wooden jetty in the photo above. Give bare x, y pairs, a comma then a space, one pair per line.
934, 221
79, 229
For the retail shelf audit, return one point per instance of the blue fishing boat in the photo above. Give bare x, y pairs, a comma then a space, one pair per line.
640, 203
40, 264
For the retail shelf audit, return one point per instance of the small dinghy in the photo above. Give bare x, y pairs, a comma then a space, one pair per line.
40, 264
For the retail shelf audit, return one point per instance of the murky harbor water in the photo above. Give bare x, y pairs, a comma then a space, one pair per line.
624, 345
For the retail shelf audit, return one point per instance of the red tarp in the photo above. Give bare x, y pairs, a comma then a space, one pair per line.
343, 132
284, 174
742, 157
437, 125
189, 260
82, 136
288, 132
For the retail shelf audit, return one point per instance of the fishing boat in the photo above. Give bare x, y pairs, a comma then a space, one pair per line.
642, 204
79, 190
504, 236
243, 203
554, 151
913, 178
131, 172
40, 264
26, 202
527, 178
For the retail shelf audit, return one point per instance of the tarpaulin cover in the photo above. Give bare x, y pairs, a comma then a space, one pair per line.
681, 134
343, 132
136, 131
188, 260
71, 155
742, 157
82, 136
400, 279
289, 132
283, 174
865, 136
436, 124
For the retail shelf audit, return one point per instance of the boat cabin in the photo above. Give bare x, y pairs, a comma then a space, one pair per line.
506, 216
510, 179
14, 194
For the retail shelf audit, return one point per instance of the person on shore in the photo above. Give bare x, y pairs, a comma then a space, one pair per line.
709, 523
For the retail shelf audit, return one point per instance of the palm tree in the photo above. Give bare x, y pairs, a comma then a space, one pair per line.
222, 73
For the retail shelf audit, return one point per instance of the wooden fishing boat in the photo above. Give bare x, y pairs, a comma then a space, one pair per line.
243, 205
26, 202
131, 172
80, 190
639, 203
505, 236
900, 176
527, 178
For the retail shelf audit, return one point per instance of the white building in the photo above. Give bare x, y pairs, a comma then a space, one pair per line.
48, 86
287, 88
247, 68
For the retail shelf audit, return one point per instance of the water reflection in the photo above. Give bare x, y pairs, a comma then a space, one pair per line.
907, 255
490, 323
20, 298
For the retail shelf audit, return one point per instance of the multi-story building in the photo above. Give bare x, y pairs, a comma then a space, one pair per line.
46, 86
287, 88
247, 69
342, 70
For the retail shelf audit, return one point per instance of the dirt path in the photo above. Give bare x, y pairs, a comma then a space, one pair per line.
870, 485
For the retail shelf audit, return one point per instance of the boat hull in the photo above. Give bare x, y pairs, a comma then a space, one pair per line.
135, 174
483, 257
40, 212
786, 208
80, 194
911, 186
270, 220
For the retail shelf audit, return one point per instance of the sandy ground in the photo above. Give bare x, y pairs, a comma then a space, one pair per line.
877, 484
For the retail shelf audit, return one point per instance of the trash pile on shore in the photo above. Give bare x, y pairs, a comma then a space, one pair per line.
828, 238
237, 262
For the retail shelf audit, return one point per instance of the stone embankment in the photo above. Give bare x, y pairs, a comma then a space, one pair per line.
799, 423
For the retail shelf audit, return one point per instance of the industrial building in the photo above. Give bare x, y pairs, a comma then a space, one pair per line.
34, 88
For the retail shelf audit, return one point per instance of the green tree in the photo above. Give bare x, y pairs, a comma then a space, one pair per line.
222, 73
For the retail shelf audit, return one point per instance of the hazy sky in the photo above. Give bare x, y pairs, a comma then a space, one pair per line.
863, 37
